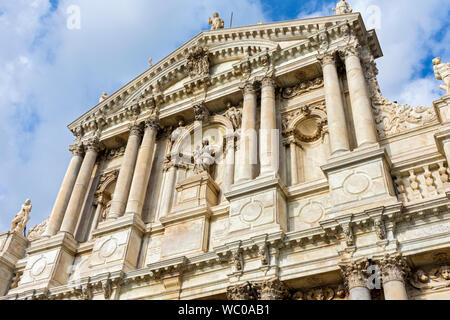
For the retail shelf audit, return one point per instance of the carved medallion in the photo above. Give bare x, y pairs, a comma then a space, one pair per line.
311, 213
108, 248
251, 211
38, 267
356, 183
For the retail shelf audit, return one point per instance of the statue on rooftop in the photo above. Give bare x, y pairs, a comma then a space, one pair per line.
21, 218
342, 7
216, 22
442, 72
103, 97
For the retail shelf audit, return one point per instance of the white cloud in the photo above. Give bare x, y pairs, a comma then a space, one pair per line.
49, 75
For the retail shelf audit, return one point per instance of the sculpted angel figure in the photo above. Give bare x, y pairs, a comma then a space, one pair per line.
342, 7
22, 217
216, 22
204, 157
442, 72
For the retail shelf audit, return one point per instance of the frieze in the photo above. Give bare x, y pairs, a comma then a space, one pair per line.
302, 88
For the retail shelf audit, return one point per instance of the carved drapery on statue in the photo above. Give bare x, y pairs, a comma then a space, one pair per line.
21, 218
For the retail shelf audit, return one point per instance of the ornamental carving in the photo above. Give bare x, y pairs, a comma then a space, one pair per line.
272, 289
241, 292
77, 149
115, 153
36, 232
201, 113
392, 117
234, 114
198, 61
302, 88
431, 277
321, 294
394, 268
309, 129
355, 273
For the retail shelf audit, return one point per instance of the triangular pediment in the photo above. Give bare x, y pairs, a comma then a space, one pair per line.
230, 52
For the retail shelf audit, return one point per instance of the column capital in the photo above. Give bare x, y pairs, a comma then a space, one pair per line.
353, 49
355, 273
93, 144
268, 81
394, 268
77, 149
248, 87
135, 128
326, 58
240, 292
152, 122
273, 289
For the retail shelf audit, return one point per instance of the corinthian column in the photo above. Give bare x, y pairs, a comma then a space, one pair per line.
248, 150
79, 191
62, 200
363, 120
335, 106
125, 177
356, 279
268, 135
393, 271
143, 167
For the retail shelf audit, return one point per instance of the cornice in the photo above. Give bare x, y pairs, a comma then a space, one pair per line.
221, 44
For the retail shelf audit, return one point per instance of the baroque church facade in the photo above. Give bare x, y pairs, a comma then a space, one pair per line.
252, 163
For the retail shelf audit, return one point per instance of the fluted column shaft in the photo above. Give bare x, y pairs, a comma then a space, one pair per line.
337, 125
80, 189
143, 168
62, 200
123, 185
248, 150
268, 135
363, 119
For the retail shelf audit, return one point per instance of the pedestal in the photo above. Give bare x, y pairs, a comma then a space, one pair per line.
12, 248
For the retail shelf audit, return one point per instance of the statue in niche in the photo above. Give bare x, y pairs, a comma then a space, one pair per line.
342, 7
176, 134
21, 218
442, 72
234, 114
216, 22
204, 157
103, 97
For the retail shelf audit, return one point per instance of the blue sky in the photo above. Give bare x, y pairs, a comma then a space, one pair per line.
49, 74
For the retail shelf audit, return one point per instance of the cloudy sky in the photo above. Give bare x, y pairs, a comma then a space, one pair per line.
51, 71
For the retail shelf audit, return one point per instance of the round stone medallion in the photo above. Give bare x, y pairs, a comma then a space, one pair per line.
311, 213
38, 267
309, 129
251, 211
108, 248
356, 183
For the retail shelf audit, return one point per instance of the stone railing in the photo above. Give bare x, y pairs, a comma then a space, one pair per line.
422, 182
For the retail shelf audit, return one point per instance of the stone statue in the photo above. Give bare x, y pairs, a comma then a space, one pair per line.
216, 22
342, 7
204, 157
150, 62
22, 217
234, 115
176, 134
103, 97
442, 72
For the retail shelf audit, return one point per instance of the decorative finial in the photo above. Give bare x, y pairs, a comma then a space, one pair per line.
442, 72
21, 218
342, 7
103, 97
216, 22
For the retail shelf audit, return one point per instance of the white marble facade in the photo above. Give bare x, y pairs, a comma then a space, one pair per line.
262, 154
